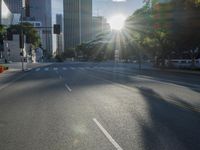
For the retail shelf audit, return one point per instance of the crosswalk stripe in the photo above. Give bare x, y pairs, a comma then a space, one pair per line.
81, 68
74, 68
38, 69
46, 69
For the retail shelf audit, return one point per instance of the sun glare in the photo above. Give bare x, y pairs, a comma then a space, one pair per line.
117, 22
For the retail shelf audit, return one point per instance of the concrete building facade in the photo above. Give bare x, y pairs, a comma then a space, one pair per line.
12, 50
5, 19
5, 14
59, 38
99, 25
77, 22
15, 6
40, 10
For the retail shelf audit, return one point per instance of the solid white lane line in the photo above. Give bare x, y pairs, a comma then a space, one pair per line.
38, 69
108, 136
46, 69
68, 88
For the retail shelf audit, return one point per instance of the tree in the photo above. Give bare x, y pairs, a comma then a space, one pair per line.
2, 36
31, 33
163, 28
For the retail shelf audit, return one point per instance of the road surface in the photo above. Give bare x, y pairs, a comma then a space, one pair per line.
99, 106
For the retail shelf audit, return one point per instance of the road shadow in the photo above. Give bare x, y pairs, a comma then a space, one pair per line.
171, 127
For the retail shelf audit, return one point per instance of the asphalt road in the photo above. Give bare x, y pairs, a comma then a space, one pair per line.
99, 106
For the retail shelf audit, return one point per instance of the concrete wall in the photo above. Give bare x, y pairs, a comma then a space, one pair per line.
13, 46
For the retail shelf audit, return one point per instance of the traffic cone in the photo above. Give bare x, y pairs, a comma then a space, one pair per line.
1, 69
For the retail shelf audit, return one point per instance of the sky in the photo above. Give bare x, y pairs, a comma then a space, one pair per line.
106, 8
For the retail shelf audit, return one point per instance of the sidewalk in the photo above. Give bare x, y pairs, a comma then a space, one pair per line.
150, 67
182, 71
8, 77
17, 66
15, 72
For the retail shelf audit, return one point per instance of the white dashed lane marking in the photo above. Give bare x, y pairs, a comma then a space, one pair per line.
108, 136
68, 88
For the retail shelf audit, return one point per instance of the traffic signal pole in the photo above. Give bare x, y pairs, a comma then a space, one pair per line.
21, 41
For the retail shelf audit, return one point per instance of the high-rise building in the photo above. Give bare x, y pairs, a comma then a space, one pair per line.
15, 6
40, 10
59, 20
77, 22
5, 14
5, 19
60, 45
99, 25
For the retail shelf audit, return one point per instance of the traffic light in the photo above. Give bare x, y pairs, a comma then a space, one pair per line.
1, 39
1, 43
9, 35
56, 29
21, 40
28, 39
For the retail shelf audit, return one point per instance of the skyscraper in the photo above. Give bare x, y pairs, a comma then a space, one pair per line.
59, 20
99, 25
5, 14
40, 10
77, 22
15, 6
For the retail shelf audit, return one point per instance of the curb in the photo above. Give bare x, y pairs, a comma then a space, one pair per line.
183, 71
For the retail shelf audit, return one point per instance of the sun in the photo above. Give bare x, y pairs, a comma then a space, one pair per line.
117, 22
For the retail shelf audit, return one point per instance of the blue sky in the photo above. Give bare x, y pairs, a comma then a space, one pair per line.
107, 8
